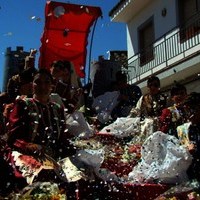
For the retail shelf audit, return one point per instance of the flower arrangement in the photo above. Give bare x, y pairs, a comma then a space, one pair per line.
41, 191
120, 155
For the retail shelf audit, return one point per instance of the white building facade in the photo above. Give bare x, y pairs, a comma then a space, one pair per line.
163, 39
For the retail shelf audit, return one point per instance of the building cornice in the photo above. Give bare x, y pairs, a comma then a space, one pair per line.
116, 7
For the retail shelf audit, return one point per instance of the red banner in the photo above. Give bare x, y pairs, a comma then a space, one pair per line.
65, 35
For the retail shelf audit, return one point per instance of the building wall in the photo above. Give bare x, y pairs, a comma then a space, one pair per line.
13, 63
176, 61
102, 75
193, 86
161, 24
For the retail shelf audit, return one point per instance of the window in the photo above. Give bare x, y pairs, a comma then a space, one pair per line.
189, 18
146, 39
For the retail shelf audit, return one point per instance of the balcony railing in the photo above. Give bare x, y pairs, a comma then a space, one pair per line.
174, 47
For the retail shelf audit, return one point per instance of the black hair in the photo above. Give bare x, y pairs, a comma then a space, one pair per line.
175, 90
26, 76
153, 79
62, 64
120, 76
44, 71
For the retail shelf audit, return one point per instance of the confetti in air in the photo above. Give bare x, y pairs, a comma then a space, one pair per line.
87, 10
8, 34
38, 19
33, 17
67, 44
82, 68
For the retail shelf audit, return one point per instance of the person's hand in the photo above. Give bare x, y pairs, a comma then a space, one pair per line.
33, 52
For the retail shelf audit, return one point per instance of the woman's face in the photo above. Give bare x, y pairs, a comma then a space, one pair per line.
42, 85
60, 74
56, 73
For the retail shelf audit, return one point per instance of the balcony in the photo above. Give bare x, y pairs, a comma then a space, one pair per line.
175, 47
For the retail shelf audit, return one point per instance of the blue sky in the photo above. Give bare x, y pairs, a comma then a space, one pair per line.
22, 24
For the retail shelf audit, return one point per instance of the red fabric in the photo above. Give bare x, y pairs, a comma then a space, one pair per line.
165, 120
65, 34
118, 167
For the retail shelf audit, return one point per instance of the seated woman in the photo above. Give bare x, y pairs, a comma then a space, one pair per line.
66, 84
176, 114
67, 93
36, 132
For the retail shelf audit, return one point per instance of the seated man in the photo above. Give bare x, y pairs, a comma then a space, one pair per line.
129, 95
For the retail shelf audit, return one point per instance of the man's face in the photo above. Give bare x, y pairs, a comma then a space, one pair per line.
154, 87
42, 85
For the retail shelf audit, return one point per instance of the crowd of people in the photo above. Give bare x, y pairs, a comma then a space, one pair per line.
35, 107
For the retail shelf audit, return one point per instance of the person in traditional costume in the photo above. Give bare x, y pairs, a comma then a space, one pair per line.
36, 136
129, 96
151, 104
176, 114
19, 84
66, 84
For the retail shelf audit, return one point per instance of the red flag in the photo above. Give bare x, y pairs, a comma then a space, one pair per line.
65, 35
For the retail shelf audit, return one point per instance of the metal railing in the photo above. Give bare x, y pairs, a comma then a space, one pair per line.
173, 47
